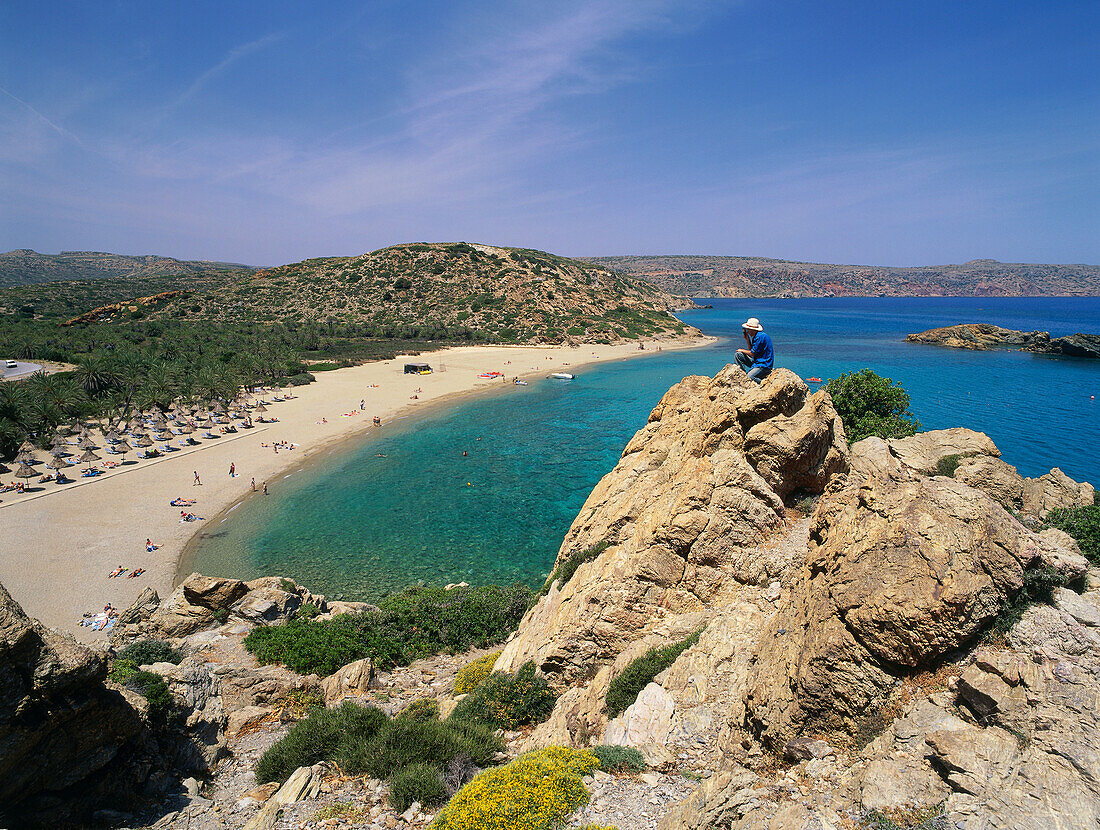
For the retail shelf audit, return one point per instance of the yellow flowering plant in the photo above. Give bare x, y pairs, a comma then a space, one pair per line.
536, 791
470, 676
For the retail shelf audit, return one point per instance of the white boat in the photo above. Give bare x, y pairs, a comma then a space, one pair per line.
520, 383
562, 375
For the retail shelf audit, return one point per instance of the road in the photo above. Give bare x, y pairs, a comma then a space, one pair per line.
20, 369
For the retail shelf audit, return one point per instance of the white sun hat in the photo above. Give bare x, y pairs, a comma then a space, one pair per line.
753, 324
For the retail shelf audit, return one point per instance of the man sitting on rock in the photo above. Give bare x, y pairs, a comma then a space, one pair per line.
756, 360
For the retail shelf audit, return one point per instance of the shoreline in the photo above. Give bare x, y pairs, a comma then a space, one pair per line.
69, 539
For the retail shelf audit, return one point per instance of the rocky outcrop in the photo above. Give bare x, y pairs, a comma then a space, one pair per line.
202, 602
985, 337
979, 337
60, 728
897, 575
977, 462
683, 515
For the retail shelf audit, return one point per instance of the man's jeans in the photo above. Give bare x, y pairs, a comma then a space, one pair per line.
745, 362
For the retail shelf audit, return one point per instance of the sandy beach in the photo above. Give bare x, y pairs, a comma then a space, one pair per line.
60, 542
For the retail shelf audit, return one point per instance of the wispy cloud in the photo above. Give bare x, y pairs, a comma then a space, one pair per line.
61, 131
235, 54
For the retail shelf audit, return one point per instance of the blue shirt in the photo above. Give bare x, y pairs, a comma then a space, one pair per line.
761, 351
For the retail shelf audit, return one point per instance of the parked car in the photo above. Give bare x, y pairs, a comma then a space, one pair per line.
11, 364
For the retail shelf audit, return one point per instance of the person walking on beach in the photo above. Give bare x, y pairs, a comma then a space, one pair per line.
757, 359
265, 488
232, 470
198, 481
253, 484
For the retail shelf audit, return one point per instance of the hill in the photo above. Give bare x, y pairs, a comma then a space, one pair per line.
26, 267
454, 292
725, 276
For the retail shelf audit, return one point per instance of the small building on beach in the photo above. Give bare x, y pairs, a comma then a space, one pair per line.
417, 369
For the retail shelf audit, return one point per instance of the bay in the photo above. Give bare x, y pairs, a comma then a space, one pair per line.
357, 525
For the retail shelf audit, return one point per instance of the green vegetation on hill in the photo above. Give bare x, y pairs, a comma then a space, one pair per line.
25, 267
453, 292
417, 622
149, 339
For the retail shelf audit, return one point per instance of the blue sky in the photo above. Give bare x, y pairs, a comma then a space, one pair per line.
861, 132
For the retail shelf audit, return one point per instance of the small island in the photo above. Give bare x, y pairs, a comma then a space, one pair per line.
985, 337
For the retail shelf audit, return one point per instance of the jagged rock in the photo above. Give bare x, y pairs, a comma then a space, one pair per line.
1034, 497
238, 719
266, 604
646, 721
800, 452
683, 513
716, 802
804, 748
351, 682
60, 728
897, 575
304, 782
141, 609
338, 607
212, 592
922, 452
872, 457
1084, 609
196, 689
191, 606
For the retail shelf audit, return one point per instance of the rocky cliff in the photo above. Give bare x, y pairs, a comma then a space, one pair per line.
867, 620
985, 337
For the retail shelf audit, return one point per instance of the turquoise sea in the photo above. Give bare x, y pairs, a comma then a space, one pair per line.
357, 526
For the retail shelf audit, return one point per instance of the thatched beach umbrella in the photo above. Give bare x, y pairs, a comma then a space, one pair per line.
26, 446
88, 457
187, 429
57, 463
260, 407
206, 424
4, 468
27, 458
25, 471
86, 443
113, 437
145, 441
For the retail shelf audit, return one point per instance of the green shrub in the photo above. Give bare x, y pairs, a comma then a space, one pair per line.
321, 736
415, 623
153, 688
536, 791
147, 652
1039, 585
506, 701
424, 708
869, 404
619, 758
417, 782
1083, 524
404, 742
469, 677
947, 465
564, 571
122, 670
640, 672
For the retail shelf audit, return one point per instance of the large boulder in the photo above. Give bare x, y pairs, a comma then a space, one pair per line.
1032, 497
61, 730
897, 575
682, 516
921, 453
